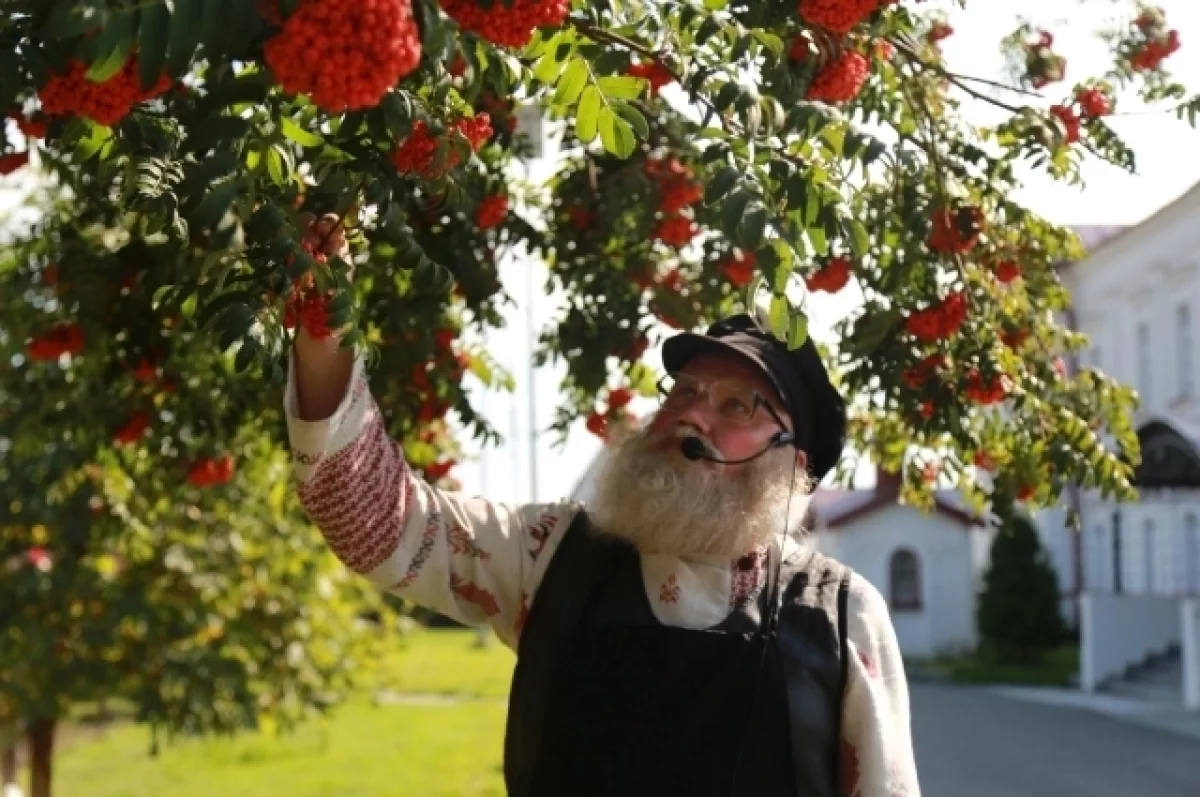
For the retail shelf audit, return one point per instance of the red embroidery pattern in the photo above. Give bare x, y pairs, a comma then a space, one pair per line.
850, 779
540, 532
748, 582
473, 593
423, 550
354, 497
868, 664
461, 542
669, 593
522, 614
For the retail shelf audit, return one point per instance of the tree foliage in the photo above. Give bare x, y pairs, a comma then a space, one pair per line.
1019, 613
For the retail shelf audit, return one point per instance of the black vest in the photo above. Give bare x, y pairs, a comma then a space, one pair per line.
606, 700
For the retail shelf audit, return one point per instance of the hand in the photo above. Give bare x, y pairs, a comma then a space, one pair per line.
326, 236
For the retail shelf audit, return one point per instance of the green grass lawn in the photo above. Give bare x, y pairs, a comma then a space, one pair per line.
1057, 668
364, 748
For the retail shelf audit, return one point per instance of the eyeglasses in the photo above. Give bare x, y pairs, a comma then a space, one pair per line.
734, 402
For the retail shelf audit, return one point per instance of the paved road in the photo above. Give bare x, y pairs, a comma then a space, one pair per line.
972, 743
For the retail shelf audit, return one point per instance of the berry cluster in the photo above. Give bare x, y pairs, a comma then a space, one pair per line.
12, 161
676, 188
581, 218
841, 78
510, 24
107, 103
209, 472
956, 230
346, 55
492, 211
676, 231
939, 321
307, 306
133, 429
61, 339
34, 126
439, 470
653, 71
832, 277
939, 31
917, 375
1042, 65
738, 268
838, 16
1094, 102
986, 392
1070, 121
1007, 270
1014, 338
417, 153
1157, 44
599, 423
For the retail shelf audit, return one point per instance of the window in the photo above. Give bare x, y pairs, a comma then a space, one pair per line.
1191, 554
1186, 368
1145, 365
904, 574
1098, 578
1148, 558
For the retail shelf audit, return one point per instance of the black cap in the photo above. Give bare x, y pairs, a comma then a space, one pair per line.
818, 411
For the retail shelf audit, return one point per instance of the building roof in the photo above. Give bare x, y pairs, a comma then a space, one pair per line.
833, 508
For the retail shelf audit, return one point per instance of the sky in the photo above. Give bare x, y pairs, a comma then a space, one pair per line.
525, 469
1168, 165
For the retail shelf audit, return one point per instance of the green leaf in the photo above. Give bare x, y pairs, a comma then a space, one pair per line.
632, 115
860, 242
298, 134
616, 134
184, 36
720, 184
798, 330
89, 145
70, 19
215, 33
106, 67
214, 205
548, 68
212, 132
247, 353
216, 307
626, 87
734, 209
586, 117
152, 44
754, 225
779, 317
275, 166
572, 82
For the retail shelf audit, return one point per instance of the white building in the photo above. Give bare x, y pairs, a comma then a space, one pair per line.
928, 566
1137, 296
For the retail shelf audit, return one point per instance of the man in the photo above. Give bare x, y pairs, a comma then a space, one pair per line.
674, 637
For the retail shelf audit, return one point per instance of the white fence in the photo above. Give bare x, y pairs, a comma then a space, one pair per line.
1120, 630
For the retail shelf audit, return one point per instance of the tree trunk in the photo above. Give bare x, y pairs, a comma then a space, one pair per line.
8, 765
41, 755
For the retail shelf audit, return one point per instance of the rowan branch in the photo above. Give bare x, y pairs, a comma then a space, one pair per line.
958, 80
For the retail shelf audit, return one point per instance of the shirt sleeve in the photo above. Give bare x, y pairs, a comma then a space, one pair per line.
470, 559
877, 748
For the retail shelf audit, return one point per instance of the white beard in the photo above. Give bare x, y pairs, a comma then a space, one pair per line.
662, 503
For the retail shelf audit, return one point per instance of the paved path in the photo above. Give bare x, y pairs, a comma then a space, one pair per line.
976, 743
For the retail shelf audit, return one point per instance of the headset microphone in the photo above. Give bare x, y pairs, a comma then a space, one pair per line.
694, 449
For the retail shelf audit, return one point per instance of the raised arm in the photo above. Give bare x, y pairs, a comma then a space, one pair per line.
468, 558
